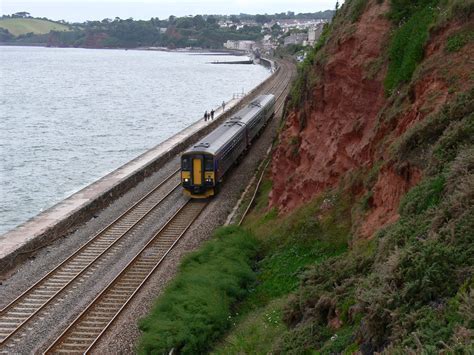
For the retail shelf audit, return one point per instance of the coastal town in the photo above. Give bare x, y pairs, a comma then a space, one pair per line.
248, 34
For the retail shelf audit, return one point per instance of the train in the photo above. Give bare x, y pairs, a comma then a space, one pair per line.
204, 165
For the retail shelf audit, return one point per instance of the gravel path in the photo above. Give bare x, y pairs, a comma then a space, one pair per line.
123, 335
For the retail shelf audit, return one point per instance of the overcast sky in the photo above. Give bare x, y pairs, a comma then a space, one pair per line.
77, 10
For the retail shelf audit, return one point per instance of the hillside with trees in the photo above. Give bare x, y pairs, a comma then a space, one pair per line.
175, 32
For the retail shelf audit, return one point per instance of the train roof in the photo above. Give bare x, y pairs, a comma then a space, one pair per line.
217, 139
248, 112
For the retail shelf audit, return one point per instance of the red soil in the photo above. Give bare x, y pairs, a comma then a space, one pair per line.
345, 129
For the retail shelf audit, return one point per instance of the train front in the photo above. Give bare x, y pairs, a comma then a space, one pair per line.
198, 174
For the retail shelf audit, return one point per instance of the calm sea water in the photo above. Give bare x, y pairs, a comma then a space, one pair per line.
70, 116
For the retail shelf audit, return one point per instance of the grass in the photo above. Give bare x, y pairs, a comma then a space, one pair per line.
22, 26
413, 19
198, 305
255, 332
357, 7
457, 41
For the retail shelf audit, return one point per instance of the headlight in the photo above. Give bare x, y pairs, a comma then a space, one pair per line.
186, 180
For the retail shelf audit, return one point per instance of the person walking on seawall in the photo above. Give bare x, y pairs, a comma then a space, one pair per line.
212, 114
223, 106
205, 116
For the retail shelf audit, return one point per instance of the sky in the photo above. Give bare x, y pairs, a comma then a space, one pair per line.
79, 11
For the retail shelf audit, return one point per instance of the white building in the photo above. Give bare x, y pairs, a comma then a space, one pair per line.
296, 38
314, 33
240, 45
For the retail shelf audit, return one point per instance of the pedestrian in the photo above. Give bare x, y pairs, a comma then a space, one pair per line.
206, 115
212, 114
223, 106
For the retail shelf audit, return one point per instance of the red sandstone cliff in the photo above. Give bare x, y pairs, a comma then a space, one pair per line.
349, 123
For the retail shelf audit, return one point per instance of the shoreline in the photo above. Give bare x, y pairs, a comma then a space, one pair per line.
194, 51
60, 218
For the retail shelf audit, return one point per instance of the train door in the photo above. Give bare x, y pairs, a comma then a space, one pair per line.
197, 170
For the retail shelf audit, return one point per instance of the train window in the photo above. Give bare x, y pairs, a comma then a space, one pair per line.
208, 163
185, 163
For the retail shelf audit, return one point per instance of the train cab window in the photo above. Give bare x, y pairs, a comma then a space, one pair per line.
185, 163
208, 163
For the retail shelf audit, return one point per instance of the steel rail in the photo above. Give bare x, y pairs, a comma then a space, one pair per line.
22, 309
76, 344
84, 332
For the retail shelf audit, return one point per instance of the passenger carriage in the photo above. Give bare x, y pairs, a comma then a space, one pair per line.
204, 165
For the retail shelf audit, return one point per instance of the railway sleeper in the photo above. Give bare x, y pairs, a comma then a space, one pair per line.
89, 326
143, 267
22, 308
38, 296
32, 303
64, 275
50, 285
130, 282
119, 291
100, 319
68, 347
6, 322
45, 292
114, 298
136, 273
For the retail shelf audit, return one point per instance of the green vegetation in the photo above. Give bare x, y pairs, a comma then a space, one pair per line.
457, 41
413, 19
256, 331
357, 7
412, 283
316, 287
306, 78
22, 26
173, 32
198, 305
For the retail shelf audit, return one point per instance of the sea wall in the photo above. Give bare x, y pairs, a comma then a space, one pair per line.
67, 215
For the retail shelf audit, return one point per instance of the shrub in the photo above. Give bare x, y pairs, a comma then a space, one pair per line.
357, 8
425, 195
407, 43
456, 41
194, 310
418, 139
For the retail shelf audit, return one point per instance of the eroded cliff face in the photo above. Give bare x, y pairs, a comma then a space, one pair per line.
347, 123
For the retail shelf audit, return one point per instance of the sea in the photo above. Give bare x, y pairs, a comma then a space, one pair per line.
70, 116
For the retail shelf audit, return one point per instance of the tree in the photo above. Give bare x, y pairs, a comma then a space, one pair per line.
261, 19
21, 14
234, 19
211, 20
198, 22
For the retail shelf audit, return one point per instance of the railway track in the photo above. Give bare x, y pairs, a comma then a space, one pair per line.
82, 263
83, 333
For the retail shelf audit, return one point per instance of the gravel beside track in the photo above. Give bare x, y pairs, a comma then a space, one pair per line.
122, 336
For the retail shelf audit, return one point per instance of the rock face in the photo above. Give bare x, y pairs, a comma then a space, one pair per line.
347, 123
